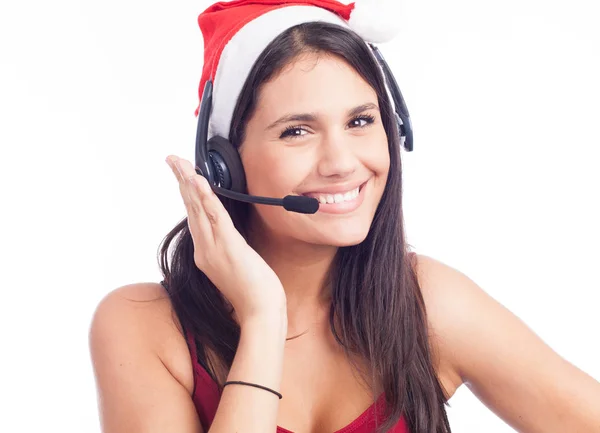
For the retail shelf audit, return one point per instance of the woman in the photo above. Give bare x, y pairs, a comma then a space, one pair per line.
328, 310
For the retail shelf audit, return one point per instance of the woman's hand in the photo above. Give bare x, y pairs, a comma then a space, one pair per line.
221, 252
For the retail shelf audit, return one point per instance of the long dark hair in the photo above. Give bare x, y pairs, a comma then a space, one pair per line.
377, 311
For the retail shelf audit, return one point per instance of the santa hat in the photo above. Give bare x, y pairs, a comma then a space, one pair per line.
236, 32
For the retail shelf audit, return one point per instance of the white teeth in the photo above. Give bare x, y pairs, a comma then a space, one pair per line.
338, 198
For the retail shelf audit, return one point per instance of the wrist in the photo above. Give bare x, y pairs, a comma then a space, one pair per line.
268, 323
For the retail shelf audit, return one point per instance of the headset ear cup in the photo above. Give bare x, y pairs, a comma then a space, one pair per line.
401, 129
227, 164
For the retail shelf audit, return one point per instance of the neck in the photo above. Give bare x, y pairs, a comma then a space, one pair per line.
302, 269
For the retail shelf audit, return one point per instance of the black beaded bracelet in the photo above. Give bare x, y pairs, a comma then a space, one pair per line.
239, 382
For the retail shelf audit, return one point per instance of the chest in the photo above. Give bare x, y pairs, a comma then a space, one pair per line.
323, 390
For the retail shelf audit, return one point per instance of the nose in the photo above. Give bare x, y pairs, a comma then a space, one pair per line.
336, 156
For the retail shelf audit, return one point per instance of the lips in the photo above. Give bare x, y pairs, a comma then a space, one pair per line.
343, 189
343, 205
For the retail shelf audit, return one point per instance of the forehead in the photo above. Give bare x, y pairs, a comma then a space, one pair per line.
314, 83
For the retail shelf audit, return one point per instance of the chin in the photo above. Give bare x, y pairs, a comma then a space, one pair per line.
349, 243
346, 237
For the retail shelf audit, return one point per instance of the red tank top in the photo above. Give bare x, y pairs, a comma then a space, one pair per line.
207, 395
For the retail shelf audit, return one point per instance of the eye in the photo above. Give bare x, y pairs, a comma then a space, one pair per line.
292, 132
362, 120
296, 131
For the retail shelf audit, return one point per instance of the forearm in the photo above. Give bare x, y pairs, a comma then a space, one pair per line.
259, 360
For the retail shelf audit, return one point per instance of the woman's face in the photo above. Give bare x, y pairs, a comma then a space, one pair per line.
317, 131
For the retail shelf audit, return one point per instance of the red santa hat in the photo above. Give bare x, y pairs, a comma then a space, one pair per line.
236, 32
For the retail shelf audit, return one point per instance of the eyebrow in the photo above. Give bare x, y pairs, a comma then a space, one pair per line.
311, 117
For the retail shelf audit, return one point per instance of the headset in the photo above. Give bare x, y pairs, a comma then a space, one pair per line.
219, 162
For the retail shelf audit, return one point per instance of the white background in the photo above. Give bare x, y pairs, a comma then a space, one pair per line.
502, 185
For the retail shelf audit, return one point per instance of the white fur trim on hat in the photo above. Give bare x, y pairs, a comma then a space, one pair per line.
243, 49
376, 21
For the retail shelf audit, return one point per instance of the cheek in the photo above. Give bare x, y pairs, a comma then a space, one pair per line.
272, 173
377, 156
381, 161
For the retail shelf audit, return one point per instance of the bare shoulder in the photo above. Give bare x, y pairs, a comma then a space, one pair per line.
141, 364
441, 288
143, 317
482, 344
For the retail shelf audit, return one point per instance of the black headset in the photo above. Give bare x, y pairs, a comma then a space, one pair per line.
219, 161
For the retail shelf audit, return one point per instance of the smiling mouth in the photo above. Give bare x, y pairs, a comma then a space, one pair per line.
348, 196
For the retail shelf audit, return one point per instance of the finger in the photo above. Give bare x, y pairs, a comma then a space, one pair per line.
214, 210
210, 203
175, 164
200, 219
171, 161
198, 223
